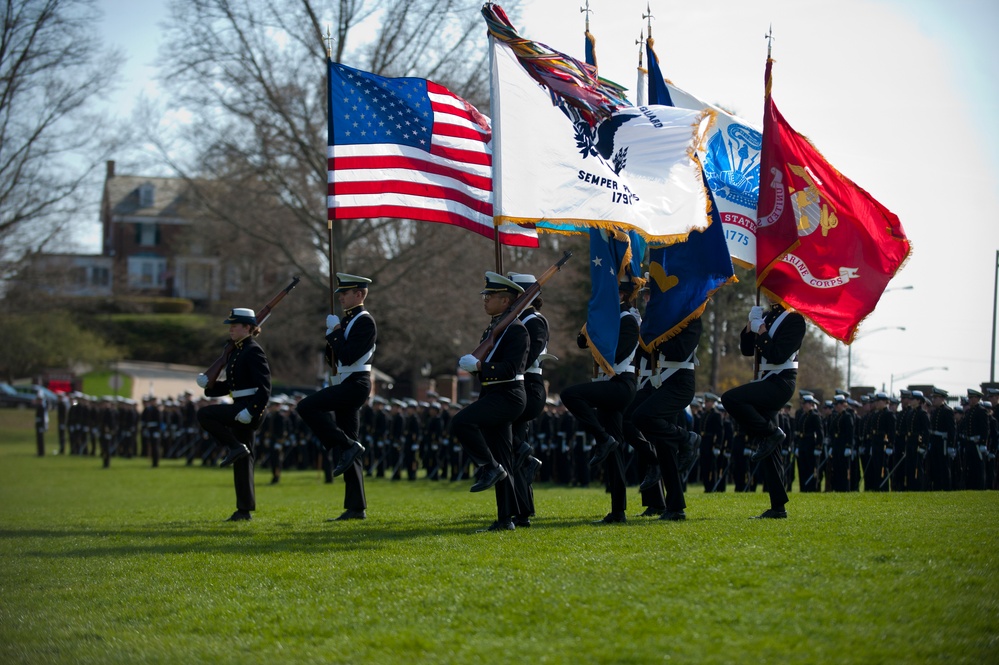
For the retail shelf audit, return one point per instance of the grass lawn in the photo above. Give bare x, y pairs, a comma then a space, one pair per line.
133, 564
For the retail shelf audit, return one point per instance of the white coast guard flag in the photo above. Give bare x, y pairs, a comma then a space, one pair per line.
731, 159
633, 171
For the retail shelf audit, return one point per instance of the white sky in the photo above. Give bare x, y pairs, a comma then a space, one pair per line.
902, 96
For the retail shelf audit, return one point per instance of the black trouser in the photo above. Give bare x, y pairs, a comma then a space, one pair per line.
344, 401
658, 419
219, 420
484, 429
754, 406
534, 387
599, 408
807, 482
645, 452
839, 468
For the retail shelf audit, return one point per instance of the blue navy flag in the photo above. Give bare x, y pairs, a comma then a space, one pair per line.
682, 276
409, 148
611, 262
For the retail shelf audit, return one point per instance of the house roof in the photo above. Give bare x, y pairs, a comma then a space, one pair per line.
124, 200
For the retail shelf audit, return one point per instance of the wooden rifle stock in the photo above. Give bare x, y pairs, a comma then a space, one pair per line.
216, 367
517, 308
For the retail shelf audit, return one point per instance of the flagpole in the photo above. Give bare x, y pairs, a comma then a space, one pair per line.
332, 186
756, 356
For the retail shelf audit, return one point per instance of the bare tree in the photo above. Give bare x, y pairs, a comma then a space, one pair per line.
52, 142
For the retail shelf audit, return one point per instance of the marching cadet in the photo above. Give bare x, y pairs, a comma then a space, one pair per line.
973, 437
525, 464
599, 405
108, 429
661, 419
485, 427
712, 437
350, 345
41, 422
651, 487
776, 334
248, 383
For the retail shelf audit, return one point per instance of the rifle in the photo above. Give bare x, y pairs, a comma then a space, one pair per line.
216, 367
518, 306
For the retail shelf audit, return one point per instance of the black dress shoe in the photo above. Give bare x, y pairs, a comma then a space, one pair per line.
275, 480
522, 521
349, 515
651, 512
602, 450
237, 453
673, 516
652, 478
499, 525
688, 454
487, 477
768, 445
347, 458
613, 518
240, 516
772, 514
530, 468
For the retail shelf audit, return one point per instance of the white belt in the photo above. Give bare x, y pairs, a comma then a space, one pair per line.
519, 377
246, 392
533, 370
675, 364
768, 367
350, 369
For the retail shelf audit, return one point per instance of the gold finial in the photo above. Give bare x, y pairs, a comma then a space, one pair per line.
648, 16
641, 44
586, 10
329, 41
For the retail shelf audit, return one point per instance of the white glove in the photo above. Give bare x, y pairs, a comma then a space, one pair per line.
952, 452
202, 380
755, 325
244, 417
755, 313
716, 452
469, 363
747, 451
848, 452
889, 451
656, 380
818, 452
983, 450
332, 321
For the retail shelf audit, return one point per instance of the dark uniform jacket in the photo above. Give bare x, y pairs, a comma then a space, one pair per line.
246, 368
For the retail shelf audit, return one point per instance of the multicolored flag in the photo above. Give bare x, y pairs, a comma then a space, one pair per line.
684, 275
632, 168
825, 246
409, 148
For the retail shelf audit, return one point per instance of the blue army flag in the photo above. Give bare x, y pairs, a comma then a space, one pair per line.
682, 276
611, 261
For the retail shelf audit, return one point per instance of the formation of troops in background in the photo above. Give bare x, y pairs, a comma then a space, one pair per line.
915, 442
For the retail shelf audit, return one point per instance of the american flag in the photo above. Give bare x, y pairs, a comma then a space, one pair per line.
409, 148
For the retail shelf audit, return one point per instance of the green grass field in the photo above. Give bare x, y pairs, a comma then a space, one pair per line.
135, 565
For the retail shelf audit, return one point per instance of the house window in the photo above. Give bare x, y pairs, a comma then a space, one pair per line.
100, 276
146, 271
147, 195
147, 234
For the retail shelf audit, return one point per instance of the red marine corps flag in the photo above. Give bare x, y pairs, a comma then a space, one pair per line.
824, 246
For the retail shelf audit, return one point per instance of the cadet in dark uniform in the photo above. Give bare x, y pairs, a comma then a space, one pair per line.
940, 439
972, 438
915, 437
41, 422
841, 435
712, 443
485, 427
350, 344
248, 383
776, 334
810, 437
525, 464
599, 405
660, 415
881, 436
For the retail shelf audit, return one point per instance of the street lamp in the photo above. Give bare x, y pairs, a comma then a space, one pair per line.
849, 349
906, 375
